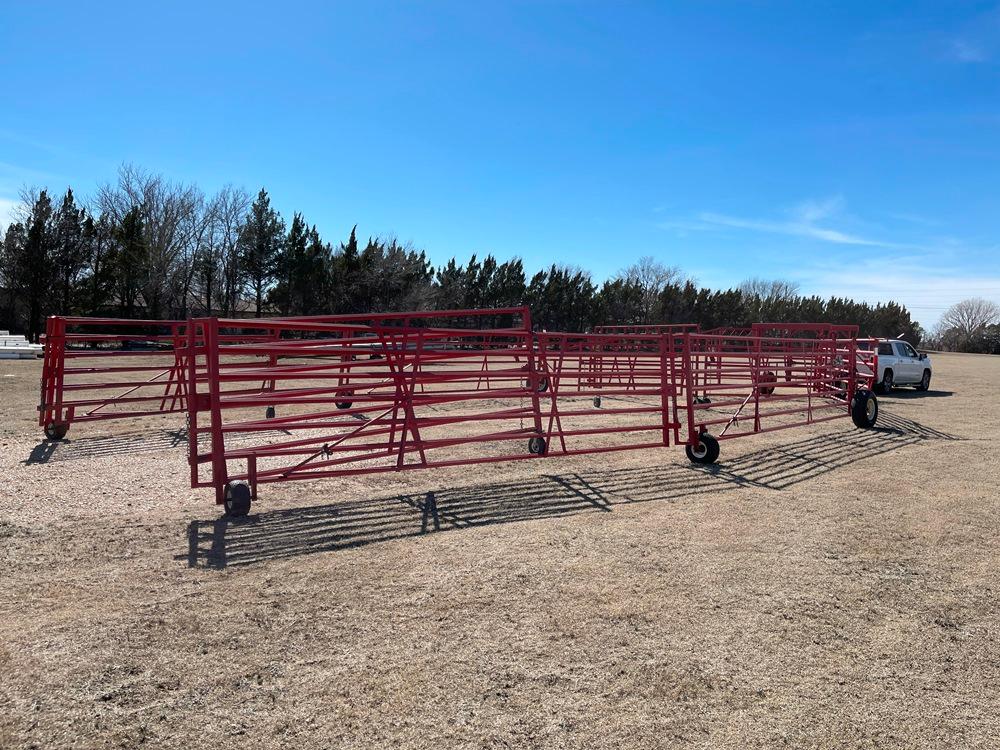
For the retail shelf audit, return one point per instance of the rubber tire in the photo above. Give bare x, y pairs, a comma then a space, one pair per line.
710, 447
597, 402
238, 500
925, 381
345, 404
767, 377
543, 384
537, 446
269, 412
886, 386
56, 430
860, 409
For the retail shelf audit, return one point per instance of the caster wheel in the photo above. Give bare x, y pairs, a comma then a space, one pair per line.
237, 502
543, 384
705, 452
864, 409
537, 446
767, 377
56, 430
597, 402
269, 413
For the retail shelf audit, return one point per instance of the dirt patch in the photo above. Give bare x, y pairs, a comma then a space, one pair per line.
822, 587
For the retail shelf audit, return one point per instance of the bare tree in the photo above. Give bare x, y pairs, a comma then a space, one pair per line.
652, 277
170, 218
218, 257
769, 289
969, 316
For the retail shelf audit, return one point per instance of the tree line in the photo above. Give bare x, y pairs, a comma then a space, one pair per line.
972, 325
144, 247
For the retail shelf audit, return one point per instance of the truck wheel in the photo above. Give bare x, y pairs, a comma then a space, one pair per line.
925, 381
705, 452
864, 409
886, 385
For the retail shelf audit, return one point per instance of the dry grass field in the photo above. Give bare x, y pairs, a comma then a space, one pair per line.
821, 587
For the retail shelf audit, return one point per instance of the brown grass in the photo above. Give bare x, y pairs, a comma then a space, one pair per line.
822, 587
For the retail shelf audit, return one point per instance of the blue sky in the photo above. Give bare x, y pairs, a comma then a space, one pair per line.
853, 147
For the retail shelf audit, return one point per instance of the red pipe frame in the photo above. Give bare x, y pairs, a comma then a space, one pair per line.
435, 389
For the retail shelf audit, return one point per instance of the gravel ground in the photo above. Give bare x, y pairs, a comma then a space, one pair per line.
821, 587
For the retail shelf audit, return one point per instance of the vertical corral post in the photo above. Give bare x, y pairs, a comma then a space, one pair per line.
689, 384
665, 384
193, 403
852, 369
220, 474
53, 371
48, 369
755, 378
530, 341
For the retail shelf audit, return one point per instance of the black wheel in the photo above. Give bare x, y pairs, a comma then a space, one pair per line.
269, 412
597, 402
543, 384
345, 404
705, 452
864, 409
886, 385
56, 430
237, 501
925, 381
767, 377
537, 446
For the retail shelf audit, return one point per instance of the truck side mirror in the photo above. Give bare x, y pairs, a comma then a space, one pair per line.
923, 356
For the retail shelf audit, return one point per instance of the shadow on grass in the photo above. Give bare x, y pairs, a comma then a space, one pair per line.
292, 532
69, 449
908, 393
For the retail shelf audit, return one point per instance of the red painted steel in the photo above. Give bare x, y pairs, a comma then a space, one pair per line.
357, 399
283, 399
84, 378
90, 372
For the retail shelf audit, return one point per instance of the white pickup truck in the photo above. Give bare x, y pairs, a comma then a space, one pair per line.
899, 364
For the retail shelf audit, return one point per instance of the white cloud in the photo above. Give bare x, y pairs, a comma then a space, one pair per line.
968, 52
802, 226
927, 288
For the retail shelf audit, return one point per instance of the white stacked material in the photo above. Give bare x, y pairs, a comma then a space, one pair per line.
18, 347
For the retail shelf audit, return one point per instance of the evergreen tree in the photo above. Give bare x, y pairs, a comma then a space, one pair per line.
130, 262
261, 245
34, 270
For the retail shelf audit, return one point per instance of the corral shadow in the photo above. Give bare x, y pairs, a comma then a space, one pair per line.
287, 533
69, 449
298, 531
784, 466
